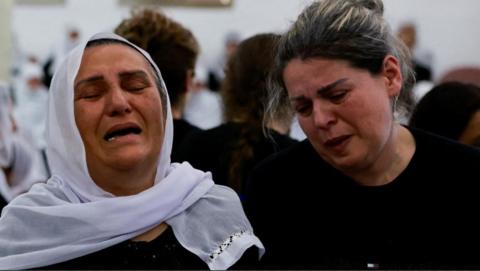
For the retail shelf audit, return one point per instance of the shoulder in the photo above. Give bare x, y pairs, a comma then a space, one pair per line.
441, 148
208, 136
299, 155
299, 164
282, 141
198, 145
446, 158
184, 127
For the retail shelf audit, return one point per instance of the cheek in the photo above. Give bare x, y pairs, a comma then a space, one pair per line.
371, 110
152, 108
87, 117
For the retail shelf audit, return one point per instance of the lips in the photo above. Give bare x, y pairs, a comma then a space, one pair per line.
333, 142
121, 130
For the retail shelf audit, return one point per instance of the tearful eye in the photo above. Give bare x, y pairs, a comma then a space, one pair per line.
135, 83
337, 96
303, 109
91, 96
88, 95
136, 87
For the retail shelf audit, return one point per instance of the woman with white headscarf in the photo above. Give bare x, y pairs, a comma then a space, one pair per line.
114, 199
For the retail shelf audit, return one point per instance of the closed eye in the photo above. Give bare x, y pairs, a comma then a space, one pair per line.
135, 85
88, 94
135, 81
303, 108
336, 96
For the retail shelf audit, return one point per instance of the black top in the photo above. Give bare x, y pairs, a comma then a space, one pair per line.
311, 216
211, 150
422, 72
3, 203
181, 128
164, 252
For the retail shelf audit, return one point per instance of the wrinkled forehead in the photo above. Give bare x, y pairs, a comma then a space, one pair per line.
103, 48
101, 55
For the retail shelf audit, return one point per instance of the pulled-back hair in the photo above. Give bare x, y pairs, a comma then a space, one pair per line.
173, 47
244, 91
350, 30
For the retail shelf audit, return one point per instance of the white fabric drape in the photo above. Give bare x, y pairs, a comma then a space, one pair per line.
71, 216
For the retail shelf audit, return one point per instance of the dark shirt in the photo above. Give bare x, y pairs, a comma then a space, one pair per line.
211, 150
181, 129
164, 252
422, 72
311, 216
3, 203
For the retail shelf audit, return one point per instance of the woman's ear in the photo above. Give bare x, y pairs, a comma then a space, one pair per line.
393, 75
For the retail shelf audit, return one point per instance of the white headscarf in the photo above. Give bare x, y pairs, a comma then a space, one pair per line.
70, 216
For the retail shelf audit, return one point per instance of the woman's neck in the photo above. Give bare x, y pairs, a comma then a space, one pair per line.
394, 160
127, 182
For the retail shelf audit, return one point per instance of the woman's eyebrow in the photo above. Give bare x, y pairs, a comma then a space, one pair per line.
330, 86
88, 80
135, 73
321, 90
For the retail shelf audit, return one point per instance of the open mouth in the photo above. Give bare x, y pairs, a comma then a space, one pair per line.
119, 131
336, 141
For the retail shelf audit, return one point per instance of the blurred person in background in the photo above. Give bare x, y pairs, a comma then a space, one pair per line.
59, 51
231, 150
452, 110
204, 107
20, 162
174, 49
32, 103
216, 70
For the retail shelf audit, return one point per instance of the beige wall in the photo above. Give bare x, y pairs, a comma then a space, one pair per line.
5, 39
448, 29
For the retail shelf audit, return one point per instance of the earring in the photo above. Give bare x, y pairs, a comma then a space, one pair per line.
394, 104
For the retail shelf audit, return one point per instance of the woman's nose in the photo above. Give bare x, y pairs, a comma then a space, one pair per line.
118, 102
323, 116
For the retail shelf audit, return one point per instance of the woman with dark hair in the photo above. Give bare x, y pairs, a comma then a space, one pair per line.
451, 110
362, 191
231, 150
